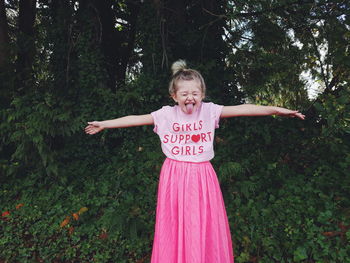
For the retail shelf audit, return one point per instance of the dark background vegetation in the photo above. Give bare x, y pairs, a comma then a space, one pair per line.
69, 197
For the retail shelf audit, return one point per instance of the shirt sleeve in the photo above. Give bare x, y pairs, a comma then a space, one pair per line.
216, 110
158, 116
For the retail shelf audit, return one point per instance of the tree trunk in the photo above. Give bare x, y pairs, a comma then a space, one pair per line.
4, 37
26, 44
127, 50
117, 46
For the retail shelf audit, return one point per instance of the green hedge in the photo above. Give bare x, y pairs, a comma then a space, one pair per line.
69, 197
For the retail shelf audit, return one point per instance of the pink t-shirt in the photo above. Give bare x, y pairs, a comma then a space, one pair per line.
187, 137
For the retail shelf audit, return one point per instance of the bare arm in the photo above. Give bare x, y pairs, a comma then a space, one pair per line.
127, 121
256, 110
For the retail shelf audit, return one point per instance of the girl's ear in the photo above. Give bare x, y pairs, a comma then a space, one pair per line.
174, 97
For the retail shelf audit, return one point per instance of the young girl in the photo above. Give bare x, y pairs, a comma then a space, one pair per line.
191, 221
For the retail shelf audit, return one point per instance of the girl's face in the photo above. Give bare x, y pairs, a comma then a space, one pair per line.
188, 95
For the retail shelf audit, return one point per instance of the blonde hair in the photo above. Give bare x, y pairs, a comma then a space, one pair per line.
181, 72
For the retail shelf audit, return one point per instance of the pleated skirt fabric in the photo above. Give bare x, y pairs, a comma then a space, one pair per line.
191, 221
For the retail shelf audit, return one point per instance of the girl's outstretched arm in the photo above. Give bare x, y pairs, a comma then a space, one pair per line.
256, 110
127, 121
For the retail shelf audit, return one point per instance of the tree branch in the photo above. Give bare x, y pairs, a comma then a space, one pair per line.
324, 77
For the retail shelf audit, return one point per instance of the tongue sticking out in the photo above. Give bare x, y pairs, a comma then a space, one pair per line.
189, 108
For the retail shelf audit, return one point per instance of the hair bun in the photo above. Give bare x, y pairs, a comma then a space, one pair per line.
178, 65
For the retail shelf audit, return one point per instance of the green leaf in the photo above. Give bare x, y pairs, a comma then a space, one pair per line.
300, 254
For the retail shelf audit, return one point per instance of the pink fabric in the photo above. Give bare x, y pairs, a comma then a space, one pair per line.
191, 221
187, 137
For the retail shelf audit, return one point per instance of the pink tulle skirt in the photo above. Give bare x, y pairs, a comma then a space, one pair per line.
191, 221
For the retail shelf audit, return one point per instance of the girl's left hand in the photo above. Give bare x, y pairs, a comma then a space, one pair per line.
290, 113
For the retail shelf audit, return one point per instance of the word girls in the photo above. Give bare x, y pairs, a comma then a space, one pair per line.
187, 138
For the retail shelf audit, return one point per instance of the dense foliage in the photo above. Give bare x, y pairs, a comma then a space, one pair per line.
69, 197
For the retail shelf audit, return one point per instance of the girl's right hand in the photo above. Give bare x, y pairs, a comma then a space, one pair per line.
94, 127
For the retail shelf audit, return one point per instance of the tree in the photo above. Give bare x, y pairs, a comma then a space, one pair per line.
4, 37
275, 42
5, 58
187, 30
25, 44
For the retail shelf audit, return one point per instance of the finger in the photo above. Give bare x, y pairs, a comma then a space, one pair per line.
301, 116
89, 130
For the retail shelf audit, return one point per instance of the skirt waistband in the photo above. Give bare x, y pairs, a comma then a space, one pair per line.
173, 160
